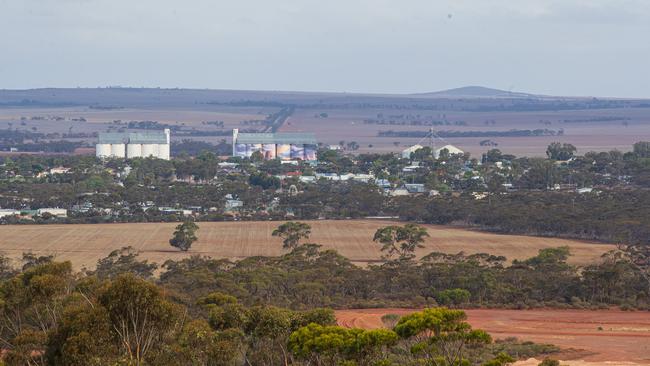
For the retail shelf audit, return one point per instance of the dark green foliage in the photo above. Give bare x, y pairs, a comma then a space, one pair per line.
124, 261
264, 181
609, 216
184, 236
453, 297
558, 151
292, 232
400, 241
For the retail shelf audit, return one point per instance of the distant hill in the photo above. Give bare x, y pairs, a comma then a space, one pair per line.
475, 92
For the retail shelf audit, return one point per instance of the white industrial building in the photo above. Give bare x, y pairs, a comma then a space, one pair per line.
281, 145
453, 150
406, 153
134, 145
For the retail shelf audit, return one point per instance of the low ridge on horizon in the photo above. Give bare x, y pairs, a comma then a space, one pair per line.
475, 91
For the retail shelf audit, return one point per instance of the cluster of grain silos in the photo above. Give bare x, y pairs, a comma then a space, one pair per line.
284, 146
134, 145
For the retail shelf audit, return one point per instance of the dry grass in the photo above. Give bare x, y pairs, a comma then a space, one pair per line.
85, 244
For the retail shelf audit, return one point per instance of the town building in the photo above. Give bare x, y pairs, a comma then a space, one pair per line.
8, 212
58, 212
134, 145
281, 145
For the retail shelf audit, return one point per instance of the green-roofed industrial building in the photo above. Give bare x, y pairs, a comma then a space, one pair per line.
281, 145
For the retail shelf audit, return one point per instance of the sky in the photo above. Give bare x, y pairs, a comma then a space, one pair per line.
553, 47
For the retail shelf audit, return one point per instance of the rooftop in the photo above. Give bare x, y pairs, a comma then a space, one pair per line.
277, 138
154, 137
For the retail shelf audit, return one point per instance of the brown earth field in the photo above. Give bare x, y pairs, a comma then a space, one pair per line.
84, 244
623, 340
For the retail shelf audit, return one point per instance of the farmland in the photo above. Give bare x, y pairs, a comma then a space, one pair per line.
594, 132
590, 125
588, 335
85, 244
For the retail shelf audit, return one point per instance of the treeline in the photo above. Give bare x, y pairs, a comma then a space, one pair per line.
54, 316
612, 216
308, 277
62, 146
450, 134
597, 119
411, 122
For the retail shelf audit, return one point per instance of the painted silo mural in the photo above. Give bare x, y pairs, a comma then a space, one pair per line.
310, 152
268, 150
240, 150
283, 151
298, 152
280, 145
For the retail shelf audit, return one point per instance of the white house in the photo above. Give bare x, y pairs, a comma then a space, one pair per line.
58, 212
8, 212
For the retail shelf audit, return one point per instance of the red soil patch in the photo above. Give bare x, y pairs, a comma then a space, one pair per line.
625, 336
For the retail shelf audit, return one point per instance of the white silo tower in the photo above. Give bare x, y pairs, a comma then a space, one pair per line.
134, 151
118, 150
103, 150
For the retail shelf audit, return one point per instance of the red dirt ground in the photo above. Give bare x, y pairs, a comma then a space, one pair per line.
625, 336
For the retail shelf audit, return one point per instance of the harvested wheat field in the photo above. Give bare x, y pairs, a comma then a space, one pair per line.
85, 244
623, 340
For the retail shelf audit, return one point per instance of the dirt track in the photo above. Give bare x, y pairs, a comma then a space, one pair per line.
625, 336
85, 244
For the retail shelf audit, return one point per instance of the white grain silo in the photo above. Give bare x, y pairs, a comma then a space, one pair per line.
163, 151
133, 151
134, 145
149, 150
103, 150
118, 150
110, 145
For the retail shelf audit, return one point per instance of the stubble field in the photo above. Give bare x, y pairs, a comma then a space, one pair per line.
85, 244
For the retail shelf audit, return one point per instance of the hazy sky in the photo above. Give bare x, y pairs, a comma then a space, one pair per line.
561, 47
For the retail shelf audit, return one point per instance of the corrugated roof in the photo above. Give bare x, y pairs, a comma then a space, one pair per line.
113, 138
133, 138
147, 138
277, 138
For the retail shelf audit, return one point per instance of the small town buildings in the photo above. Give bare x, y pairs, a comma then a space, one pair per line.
415, 188
383, 183
59, 170
398, 192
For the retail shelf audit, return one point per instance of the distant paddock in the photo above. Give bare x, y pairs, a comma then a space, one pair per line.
84, 244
